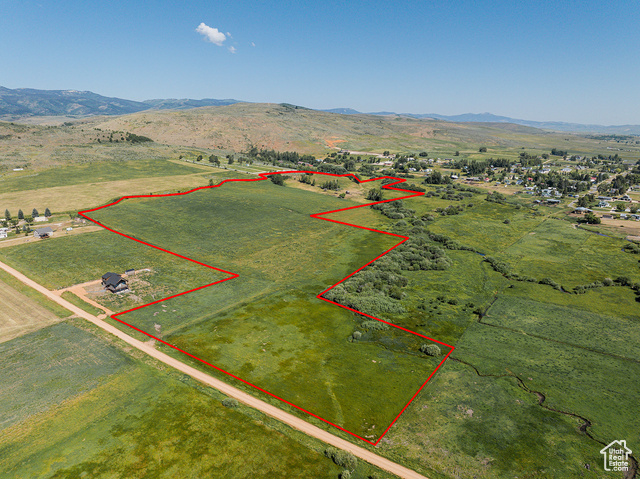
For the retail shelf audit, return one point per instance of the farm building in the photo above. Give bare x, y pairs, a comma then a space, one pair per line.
45, 232
4, 232
581, 209
114, 282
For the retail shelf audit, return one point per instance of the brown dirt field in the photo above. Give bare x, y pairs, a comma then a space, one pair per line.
21, 315
628, 227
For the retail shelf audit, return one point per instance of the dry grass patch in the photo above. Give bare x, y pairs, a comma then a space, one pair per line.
20, 315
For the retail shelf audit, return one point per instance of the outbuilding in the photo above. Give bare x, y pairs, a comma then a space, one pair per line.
45, 232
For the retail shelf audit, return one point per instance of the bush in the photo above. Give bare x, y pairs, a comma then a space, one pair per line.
431, 350
507, 222
341, 458
607, 282
346, 474
550, 282
356, 335
374, 194
374, 325
230, 402
623, 281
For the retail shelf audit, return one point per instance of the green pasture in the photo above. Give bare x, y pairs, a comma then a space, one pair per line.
465, 425
80, 303
605, 332
50, 366
284, 258
73, 406
571, 256
597, 386
483, 226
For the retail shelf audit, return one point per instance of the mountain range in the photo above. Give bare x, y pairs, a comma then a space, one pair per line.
27, 102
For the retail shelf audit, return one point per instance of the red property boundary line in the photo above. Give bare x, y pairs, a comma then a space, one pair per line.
264, 176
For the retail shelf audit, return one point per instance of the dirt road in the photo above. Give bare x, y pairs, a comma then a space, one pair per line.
231, 391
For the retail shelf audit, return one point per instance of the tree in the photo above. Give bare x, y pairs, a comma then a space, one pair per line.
619, 207
199, 158
385, 153
457, 153
374, 194
20, 215
582, 202
277, 180
29, 219
35, 213
591, 219
7, 215
230, 159
482, 149
47, 213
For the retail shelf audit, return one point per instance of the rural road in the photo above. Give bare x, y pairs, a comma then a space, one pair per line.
231, 391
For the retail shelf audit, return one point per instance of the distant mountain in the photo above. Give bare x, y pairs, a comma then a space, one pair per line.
25, 102
30, 102
186, 103
491, 118
343, 111
22, 102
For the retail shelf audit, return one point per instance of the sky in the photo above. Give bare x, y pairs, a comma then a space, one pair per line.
574, 61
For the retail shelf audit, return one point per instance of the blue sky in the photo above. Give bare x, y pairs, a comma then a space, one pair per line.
564, 60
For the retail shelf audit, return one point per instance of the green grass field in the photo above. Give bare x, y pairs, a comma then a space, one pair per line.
265, 326
579, 350
74, 406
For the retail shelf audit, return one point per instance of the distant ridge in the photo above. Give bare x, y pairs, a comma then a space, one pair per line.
491, 118
25, 102
186, 103
29, 102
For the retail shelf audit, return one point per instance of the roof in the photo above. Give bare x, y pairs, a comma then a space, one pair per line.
44, 231
111, 279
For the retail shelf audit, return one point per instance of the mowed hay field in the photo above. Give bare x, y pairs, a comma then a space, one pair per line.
83, 186
20, 315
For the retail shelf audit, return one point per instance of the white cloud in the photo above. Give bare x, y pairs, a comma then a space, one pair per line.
232, 49
211, 34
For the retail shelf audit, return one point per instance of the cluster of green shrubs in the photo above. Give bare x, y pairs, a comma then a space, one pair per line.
450, 210
505, 270
394, 210
411, 187
431, 350
449, 243
342, 458
496, 197
373, 325
633, 248
330, 185
330, 168
307, 179
378, 287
